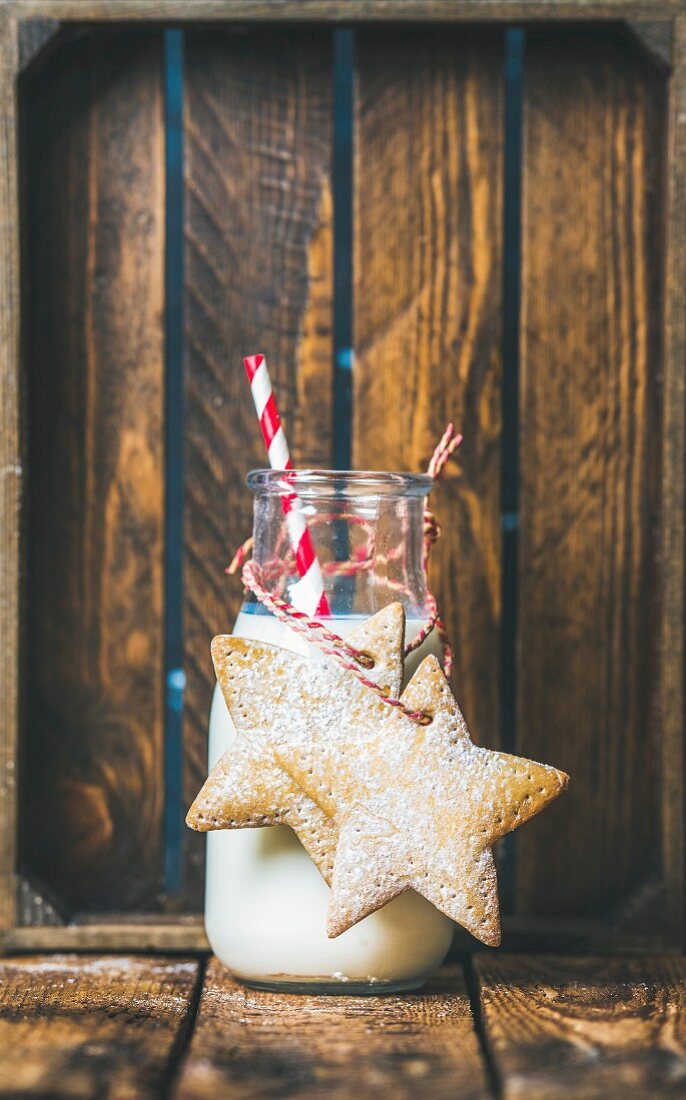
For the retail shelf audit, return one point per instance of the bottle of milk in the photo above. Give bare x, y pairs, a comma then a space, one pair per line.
265, 901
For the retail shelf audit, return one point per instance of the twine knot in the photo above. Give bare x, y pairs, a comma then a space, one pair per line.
255, 580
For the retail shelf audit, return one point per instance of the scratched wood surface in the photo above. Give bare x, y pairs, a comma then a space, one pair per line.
93, 1026
534, 1026
334, 11
590, 402
248, 1044
92, 776
11, 476
428, 215
591, 1028
670, 639
259, 272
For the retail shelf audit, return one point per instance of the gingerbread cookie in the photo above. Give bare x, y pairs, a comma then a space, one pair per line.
247, 788
417, 806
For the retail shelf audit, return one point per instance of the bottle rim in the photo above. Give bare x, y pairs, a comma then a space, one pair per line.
350, 483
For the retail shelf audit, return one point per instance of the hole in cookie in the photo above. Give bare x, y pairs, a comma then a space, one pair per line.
365, 659
425, 719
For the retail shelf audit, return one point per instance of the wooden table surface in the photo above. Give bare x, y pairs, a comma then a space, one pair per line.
497, 1025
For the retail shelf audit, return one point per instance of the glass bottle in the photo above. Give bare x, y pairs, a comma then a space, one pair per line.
265, 901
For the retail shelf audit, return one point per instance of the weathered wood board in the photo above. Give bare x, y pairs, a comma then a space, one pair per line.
591, 357
92, 750
545, 1026
591, 1028
259, 271
333, 11
428, 146
248, 1044
75, 1026
12, 475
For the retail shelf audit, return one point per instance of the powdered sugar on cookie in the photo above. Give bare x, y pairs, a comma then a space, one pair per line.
416, 806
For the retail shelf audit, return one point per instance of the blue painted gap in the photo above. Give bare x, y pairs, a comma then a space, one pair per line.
512, 214
173, 563
341, 447
343, 98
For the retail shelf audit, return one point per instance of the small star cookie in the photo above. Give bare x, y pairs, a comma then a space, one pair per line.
247, 788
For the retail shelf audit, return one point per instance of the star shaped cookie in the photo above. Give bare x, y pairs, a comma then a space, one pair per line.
427, 813
413, 806
248, 788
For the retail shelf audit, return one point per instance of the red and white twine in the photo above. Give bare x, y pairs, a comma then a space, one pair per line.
330, 643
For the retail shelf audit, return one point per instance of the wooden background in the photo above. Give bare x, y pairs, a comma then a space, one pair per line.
429, 233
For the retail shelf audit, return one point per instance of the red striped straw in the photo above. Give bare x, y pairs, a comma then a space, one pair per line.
307, 594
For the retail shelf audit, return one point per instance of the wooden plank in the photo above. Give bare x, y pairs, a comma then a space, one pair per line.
182, 934
344, 10
259, 274
428, 256
581, 935
11, 469
669, 707
591, 1028
93, 774
591, 358
249, 1043
89, 1027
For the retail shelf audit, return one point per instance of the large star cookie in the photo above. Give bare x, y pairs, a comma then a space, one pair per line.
248, 788
417, 806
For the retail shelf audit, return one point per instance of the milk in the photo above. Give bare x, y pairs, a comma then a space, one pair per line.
265, 901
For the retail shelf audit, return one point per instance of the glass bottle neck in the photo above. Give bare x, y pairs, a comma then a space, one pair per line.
367, 530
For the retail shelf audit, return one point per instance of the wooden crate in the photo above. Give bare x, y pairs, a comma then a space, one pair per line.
517, 249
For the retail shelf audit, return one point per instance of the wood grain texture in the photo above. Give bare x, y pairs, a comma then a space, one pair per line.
132, 934
93, 763
92, 1027
591, 1028
591, 359
248, 1044
258, 276
428, 244
669, 707
581, 935
11, 470
344, 10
